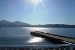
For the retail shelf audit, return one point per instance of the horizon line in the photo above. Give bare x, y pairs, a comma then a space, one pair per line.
39, 24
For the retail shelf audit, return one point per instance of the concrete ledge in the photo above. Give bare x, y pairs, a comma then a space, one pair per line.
56, 39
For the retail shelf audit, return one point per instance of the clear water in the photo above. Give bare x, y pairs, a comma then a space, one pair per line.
21, 35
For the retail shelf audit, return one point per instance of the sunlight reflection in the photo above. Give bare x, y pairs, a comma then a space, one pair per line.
36, 29
35, 39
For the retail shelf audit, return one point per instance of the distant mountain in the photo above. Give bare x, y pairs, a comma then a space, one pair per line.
55, 26
5, 23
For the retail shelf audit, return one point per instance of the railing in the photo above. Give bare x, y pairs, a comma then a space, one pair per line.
38, 47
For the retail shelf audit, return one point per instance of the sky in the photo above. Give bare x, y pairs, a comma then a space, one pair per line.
40, 12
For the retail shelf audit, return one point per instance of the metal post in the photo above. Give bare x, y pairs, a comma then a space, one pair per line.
64, 48
18, 49
42, 48
24, 49
30, 48
54, 49
5, 49
71, 46
12, 49
59, 49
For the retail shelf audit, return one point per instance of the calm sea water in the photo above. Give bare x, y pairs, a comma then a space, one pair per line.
21, 35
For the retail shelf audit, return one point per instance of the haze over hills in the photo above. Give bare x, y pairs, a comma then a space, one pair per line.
4, 23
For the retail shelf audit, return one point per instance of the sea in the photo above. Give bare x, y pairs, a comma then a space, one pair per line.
22, 36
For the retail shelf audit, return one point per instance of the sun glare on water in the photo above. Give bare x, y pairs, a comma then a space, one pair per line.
36, 29
35, 39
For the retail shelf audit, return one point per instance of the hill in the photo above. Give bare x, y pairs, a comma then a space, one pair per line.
4, 23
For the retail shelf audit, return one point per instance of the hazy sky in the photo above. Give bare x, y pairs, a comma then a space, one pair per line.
44, 12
